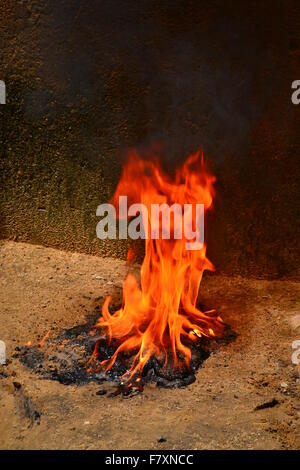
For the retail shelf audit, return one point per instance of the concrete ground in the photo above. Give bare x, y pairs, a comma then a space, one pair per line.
43, 290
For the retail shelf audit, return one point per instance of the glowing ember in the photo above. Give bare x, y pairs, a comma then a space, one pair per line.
161, 318
44, 339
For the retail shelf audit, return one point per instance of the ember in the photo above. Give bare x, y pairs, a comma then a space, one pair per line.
161, 319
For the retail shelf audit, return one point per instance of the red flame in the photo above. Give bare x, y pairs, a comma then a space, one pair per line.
162, 316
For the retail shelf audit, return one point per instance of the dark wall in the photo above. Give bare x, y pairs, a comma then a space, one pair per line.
88, 79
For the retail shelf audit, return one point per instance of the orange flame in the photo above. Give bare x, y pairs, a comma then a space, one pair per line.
44, 339
162, 315
131, 255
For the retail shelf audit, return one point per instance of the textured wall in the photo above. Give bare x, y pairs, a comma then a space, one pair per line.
85, 80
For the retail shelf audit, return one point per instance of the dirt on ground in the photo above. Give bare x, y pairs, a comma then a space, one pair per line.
246, 394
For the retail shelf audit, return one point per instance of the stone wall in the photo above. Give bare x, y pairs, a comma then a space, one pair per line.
87, 80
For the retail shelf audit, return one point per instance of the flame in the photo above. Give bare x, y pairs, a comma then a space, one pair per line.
131, 255
161, 317
44, 339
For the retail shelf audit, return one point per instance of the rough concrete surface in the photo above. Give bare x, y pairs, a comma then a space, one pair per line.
246, 395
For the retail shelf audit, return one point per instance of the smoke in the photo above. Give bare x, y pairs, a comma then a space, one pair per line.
146, 71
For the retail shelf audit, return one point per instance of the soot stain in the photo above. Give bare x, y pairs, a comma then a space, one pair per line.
65, 359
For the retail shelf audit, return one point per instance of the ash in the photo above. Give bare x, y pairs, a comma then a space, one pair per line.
65, 359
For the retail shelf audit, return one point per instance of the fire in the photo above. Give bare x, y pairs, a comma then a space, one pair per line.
160, 317
44, 339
